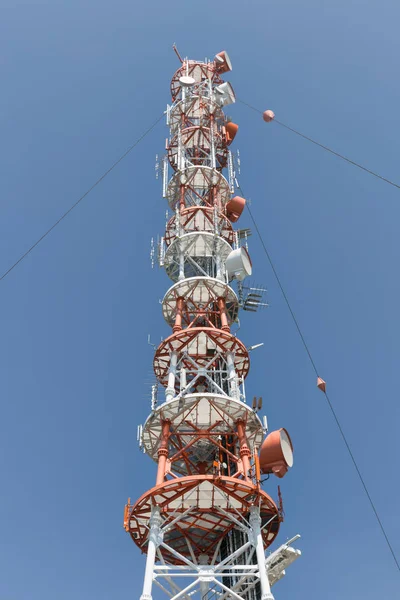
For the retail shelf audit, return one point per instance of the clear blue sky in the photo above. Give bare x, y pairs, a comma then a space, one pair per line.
80, 81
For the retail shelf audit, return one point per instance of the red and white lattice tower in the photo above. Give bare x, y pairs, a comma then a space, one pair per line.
206, 523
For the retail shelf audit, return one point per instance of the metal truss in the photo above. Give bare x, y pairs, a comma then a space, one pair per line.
201, 353
197, 253
200, 297
195, 110
199, 218
206, 523
203, 429
198, 186
208, 575
198, 146
203, 74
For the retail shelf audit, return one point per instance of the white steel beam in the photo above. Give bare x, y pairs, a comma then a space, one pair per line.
153, 543
255, 523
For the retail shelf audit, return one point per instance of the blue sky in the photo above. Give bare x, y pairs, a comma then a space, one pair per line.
80, 82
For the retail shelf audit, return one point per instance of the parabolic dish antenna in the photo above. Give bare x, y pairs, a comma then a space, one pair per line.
186, 81
238, 264
276, 453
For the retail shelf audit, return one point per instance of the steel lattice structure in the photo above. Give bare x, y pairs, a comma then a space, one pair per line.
206, 523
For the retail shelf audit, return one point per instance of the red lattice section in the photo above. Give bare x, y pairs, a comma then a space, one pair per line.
200, 218
201, 344
196, 144
213, 500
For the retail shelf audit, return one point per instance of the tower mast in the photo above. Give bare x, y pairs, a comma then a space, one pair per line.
206, 523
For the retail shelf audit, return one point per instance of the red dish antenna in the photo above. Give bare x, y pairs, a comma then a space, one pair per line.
234, 208
231, 130
276, 453
223, 62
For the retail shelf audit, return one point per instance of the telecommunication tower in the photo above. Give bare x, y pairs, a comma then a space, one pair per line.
207, 522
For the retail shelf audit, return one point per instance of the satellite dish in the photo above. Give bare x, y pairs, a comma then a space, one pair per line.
224, 94
238, 264
276, 453
231, 131
223, 62
186, 81
234, 208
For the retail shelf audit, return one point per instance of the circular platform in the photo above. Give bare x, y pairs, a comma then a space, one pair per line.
202, 248
215, 415
199, 218
205, 525
202, 346
195, 111
196, 148
203, 187
200, 72
200, 295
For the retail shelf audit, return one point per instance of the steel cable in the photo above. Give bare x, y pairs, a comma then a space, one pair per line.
352, 162
364, 485
21, 258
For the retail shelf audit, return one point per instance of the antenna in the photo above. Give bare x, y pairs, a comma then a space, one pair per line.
265, 424
231, 173
154, 390
157, 166
161, 252
152, 252
165, 175
140, 436
175, 49
250, 348
149, 341
243, 235
237, 238
253, 298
